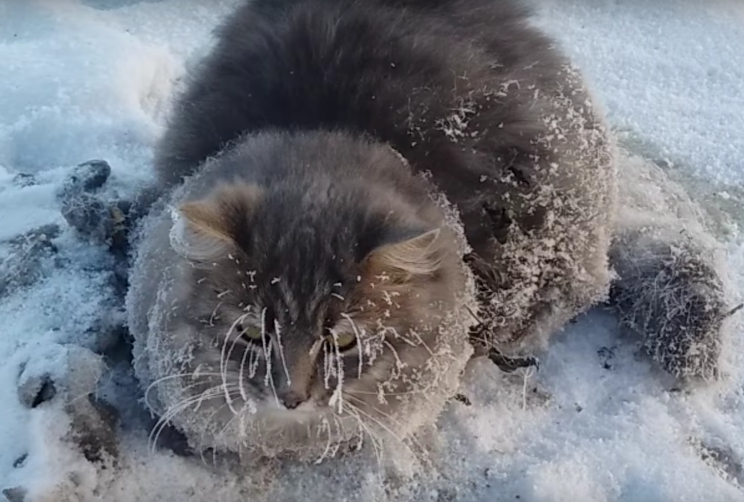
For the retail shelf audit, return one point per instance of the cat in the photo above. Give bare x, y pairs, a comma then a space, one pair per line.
355, 198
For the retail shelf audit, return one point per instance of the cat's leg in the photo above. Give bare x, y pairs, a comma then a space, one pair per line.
510, 333
484, 336
670, 291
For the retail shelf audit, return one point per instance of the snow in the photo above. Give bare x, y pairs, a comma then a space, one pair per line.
668, 71
86, 79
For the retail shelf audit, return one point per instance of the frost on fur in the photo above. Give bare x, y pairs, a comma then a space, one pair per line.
199, 385
669, 291
548, 258
669, 288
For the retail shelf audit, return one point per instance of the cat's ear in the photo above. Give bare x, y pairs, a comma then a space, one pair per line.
205, 218
412, 255
208, 229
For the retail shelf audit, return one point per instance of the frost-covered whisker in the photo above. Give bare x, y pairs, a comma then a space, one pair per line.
241, 379
386, 427
399, 364
353, 411
326, 426
209, 419
359, 339
166, 378
422, 390
227, 425
337, 396
327, 366
254, 360
224, 357
421, 342
268, 378
280, 348
213, 316
175, 409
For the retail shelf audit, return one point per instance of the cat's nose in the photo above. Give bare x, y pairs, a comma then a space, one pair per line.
292, 399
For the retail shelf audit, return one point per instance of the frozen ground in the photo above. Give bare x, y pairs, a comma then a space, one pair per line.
84, 79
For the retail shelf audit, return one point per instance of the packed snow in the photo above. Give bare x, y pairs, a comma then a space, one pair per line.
92, 79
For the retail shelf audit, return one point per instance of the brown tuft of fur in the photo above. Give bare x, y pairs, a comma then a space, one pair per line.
420, 256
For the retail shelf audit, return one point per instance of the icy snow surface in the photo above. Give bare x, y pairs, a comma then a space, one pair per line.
84, 79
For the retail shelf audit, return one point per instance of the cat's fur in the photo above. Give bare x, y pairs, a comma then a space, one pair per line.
463, 89
301, 235
308, 152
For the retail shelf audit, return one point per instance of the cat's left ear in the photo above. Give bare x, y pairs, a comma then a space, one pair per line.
416, 255
208, 229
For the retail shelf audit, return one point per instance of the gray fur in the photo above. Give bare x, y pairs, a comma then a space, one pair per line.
317, 137
181, 310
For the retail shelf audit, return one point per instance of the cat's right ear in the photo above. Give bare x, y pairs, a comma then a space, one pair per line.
416, 255
207, 229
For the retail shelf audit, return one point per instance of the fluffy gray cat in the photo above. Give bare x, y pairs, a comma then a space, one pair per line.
356, 197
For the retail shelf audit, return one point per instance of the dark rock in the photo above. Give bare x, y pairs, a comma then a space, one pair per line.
105, 332
41, 236
20, 461
93, 421
15, 494
94, 432
171, 438
90, 216
24, 180
74, 373
462, 398
120, 227
36, 390
22, 266
607, 356
103, 222
89, 176
722, 458
446, 495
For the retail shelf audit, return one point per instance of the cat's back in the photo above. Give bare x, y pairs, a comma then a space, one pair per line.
395, 70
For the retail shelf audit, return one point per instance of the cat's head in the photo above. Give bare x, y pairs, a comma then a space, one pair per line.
316, 306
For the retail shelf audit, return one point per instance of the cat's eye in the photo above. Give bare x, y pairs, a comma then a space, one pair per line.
252, 333
344, 341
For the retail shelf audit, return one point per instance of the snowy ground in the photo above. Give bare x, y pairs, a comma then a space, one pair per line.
85, 79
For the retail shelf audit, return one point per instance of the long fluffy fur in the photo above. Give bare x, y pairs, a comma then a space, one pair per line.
351, 117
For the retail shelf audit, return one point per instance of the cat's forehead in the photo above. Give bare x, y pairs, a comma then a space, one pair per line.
300, 284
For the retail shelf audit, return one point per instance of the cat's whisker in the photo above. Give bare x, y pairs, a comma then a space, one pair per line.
398, 362
395, 421
338, 392
166, 378
423, 390
358, 336
325, 426
277, 332
385, 427
241, 380
422, 342
327, 366
204, 431
221, 433
224, 357
184, 391
352, 410
168, 415
269, 378
253, 362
